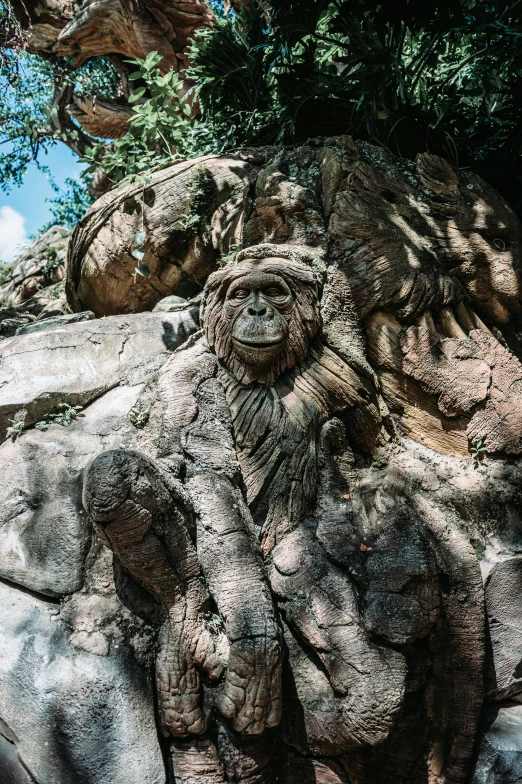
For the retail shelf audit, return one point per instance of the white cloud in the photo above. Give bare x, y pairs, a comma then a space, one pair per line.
13, 236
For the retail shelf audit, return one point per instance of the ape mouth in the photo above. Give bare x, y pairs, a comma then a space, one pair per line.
259, 343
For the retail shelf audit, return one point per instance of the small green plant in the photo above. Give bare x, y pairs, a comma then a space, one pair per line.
159, 125
227, 258
64, 416
55, 291
138, 417
17, 426
139, 253
213, 623
478, 450
5, 273
52, 260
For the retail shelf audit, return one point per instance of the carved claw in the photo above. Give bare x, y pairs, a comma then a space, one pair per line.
251, 694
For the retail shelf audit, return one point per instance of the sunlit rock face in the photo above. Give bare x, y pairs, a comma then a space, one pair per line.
75, 676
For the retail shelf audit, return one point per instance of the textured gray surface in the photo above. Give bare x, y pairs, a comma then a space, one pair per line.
76, 363
77, 716
500, 751
44, 533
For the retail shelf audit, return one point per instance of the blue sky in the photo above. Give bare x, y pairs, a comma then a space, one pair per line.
24, 210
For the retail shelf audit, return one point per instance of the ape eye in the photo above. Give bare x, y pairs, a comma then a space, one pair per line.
499, 243
274, 292
240, 294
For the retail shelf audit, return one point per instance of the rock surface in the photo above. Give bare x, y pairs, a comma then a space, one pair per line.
100, 366
33, 287
74, 716
77, 363
49, 322
500, 751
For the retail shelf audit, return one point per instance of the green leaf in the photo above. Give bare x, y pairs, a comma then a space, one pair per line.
143, 269
139, 238
135, 96
135, 75
138, 254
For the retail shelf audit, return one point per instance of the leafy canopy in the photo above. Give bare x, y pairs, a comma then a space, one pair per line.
411, 75
156, 131
406, 74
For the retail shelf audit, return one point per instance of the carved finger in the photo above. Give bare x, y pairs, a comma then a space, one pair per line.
178, 682
251, 693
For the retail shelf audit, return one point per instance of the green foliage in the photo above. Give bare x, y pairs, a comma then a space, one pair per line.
52, 259
27, 86
411, 76
156, 130
443, 77
478, 450
64, 416
5, 273
16, 427
138, 417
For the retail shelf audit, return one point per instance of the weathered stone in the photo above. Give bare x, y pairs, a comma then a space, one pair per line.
74, 716
41, 264
51, 321
168, 304
500, 746
44, 532
77, 363
503, 590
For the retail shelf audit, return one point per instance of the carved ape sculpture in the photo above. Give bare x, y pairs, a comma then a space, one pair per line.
255, 417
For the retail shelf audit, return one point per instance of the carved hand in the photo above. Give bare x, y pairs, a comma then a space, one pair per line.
140, 512
230, 557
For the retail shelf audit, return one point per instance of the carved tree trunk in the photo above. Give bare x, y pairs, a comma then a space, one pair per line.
377, 513
118, 30
316, 510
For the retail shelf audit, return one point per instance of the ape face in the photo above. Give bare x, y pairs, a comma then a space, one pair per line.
258, 307
260, 315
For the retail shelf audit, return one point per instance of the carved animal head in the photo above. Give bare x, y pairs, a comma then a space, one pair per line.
415, 236
260, 314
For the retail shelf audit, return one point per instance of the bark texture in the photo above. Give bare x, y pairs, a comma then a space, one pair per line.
317, 508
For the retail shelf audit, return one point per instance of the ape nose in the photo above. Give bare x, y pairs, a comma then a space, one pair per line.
257, 310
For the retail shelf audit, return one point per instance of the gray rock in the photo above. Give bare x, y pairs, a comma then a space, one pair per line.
168, 304
37, 266
503, 590
53, 321
101, 365
500, 751
73, 715
44, 533
13, 771
76, 363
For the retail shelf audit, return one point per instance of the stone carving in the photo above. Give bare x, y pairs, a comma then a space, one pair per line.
260, 409
331, 580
